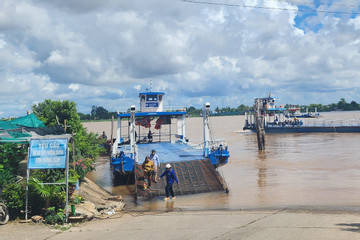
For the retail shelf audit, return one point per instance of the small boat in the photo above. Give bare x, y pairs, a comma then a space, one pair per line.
136, 137
294, 112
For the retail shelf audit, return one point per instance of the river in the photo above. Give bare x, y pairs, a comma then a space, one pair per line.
295, 170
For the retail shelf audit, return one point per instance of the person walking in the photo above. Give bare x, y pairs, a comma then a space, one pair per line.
148, 169
155, 159
170, 178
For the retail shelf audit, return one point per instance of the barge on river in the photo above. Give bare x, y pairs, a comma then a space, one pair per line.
135, 139
276, 120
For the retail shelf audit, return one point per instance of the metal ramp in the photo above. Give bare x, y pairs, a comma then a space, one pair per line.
195, 176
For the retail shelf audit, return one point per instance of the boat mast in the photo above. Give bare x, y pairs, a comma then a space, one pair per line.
206, 112
132, 131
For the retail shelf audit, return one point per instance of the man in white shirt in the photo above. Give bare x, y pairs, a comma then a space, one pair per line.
155, 159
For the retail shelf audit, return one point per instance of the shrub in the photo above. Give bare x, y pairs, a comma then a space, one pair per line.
52, 216
14, 196
83, 166
53, 194
6, 177
10, 156
77, 199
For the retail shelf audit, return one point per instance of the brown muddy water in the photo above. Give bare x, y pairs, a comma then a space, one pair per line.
296, 170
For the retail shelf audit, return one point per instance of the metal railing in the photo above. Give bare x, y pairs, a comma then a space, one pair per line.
317, 123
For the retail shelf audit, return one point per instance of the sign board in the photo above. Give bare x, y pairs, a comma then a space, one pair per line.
47, 153
155, 104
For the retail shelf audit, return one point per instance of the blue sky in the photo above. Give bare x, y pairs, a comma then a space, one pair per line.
104, 52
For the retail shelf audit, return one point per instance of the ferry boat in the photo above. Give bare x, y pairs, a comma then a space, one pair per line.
136, 137
276, 120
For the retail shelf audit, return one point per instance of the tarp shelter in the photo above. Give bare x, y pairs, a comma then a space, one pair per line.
22, 129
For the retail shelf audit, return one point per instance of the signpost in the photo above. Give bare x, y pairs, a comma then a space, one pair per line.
48, 154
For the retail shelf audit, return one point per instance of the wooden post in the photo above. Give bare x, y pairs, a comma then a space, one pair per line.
259, 124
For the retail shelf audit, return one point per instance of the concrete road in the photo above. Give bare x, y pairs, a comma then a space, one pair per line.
222, 224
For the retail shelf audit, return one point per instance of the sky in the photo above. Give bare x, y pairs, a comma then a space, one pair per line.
226, 52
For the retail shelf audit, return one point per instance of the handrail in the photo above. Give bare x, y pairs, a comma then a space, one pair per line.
318, 123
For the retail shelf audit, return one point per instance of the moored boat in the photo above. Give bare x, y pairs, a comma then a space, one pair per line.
294, 112
277, 120
136, 137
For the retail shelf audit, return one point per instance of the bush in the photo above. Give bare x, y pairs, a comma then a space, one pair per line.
6, 177
77, 199
52, 216
10, 156
83, 166
49, 175
14, 196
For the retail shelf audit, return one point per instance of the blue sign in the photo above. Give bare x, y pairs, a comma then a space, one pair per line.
47, 153
152, 104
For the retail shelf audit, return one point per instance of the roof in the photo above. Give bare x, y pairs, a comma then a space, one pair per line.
22, 129
151, 93
26, 121
29, 120
152, 114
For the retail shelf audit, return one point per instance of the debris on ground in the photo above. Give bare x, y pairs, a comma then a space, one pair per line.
98, 202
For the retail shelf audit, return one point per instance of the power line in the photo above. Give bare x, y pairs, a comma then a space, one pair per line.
320, 3
271, 8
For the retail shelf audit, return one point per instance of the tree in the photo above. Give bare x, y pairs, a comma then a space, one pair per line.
342, 104
54, 112
99, 113
242, 108
84, 116
354, 105
193, 111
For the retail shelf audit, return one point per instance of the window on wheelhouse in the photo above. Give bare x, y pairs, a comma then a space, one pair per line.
152, 97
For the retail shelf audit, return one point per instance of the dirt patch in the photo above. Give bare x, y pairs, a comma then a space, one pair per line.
98, 202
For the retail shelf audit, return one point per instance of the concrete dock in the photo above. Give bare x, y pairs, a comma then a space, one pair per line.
222, 224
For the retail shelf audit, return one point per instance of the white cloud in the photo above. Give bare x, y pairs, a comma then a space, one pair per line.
104, 52
74, 87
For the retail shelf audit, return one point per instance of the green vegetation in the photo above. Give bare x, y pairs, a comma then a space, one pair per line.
14, 195
100, 113
53, 216
65, 113
53, 193
342, 105
42, 195
82, 166
97, 113
10, 157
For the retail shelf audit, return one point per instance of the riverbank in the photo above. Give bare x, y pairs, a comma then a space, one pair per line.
255, 224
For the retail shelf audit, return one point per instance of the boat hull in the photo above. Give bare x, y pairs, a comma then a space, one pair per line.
311, 129
123, 164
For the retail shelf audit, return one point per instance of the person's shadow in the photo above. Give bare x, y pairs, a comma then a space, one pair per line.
351, 227
169, 206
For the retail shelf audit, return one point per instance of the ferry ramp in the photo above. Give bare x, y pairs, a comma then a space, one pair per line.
195, 176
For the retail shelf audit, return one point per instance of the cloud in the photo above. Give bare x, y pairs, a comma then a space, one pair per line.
74, 87
104, 52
